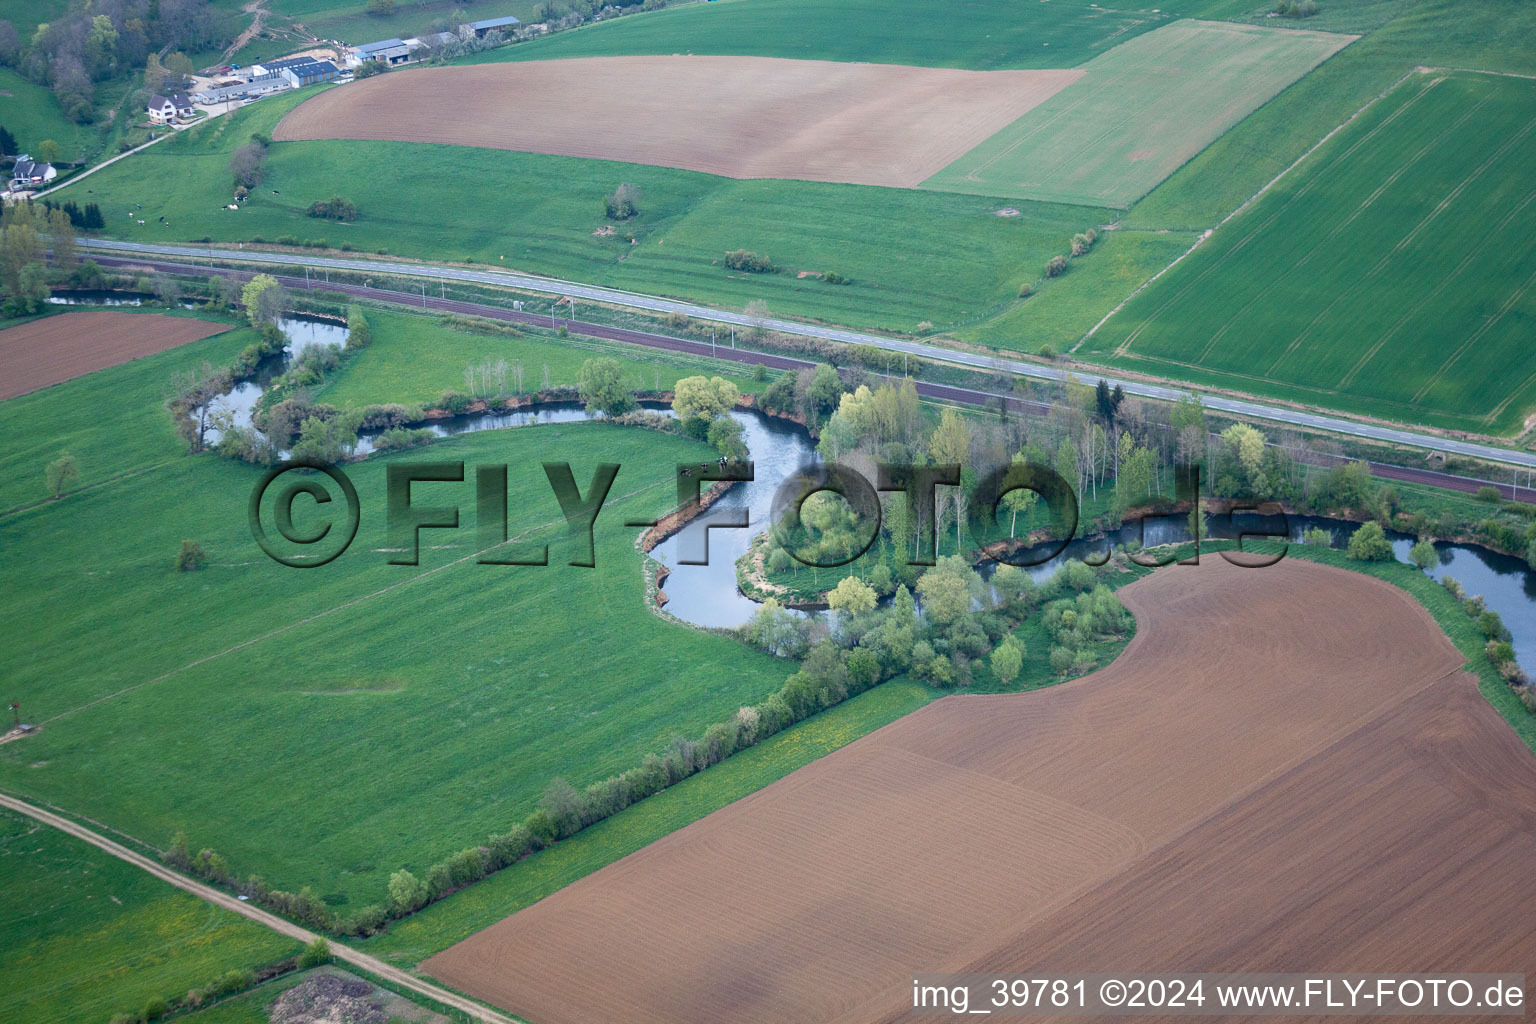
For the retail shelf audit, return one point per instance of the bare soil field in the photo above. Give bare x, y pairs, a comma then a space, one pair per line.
741, 117
58, 348
1285, 770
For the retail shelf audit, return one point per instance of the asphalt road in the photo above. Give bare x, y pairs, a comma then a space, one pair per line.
551, 286
943, 392
223, 899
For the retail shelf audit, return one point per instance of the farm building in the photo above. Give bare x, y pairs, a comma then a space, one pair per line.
261, 85
310, 73
165, 109
489, 25
385, 51
274, 67
29, 173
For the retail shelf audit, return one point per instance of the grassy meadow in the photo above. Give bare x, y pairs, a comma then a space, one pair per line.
982, 35
1138, 112
415, 359
287, 717
1389, 274
87, 936
911, 256
1065, 308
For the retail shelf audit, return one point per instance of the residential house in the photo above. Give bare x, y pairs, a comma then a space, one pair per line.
166, 109
29, 173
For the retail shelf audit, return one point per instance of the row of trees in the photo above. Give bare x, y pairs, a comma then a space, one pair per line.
27, 231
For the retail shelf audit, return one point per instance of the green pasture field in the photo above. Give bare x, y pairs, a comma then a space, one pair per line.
1138, 112
413, 359
321, 726
982, 35
912, 256
87, 936
1065, 308
351, 23
1392, 273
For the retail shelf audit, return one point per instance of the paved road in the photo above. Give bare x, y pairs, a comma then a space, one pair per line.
551, 286
944, 392
272, 921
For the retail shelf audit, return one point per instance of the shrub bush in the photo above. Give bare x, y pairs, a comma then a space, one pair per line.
335, 208
749, 262
190, 558
1369, 544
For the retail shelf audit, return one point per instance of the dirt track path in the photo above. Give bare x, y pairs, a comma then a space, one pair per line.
222, 899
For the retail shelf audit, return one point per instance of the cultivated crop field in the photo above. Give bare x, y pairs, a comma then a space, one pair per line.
1139, 111
741, 117
1391, 273
977, 34
1214, 715
57, 348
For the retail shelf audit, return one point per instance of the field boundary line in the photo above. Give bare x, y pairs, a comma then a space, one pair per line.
225, 901
1251, 200
318, 615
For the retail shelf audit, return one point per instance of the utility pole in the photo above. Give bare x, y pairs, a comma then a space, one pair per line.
423, 295
711, 344
15, 707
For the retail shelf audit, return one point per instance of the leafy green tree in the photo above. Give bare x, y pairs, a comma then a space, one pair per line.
951, 440
703, 398
948, 589
48, 151
406, 893
822, 395
1317, 535
62, 474
316, 953
1370, 544
1007, 660
1424, 555
724, 436
601, 386
851, 595
359, 333
264, 299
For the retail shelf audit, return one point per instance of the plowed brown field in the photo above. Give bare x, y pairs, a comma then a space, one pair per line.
742, 117
1285, 770
57, 348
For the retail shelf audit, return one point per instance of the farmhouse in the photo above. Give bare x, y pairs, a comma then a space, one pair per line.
310, 73
385, 51
489, 25
166, 109
29, 173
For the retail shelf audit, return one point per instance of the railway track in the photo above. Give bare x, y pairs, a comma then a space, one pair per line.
927, 389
